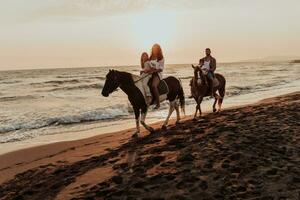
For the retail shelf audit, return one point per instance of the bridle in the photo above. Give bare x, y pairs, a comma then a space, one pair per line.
200, 77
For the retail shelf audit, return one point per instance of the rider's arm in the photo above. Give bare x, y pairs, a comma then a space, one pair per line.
152, 70
213, 64
157, 66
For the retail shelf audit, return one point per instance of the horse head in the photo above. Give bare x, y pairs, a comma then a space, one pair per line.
198, 75
111, 83
196, 69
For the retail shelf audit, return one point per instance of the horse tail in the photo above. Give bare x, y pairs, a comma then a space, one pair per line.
222, 89
223, 85
181, 98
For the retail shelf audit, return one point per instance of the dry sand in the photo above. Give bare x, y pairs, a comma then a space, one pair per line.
251, 152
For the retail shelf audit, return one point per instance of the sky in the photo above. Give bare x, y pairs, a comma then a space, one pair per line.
86, 33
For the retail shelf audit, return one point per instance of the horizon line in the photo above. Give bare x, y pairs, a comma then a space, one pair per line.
133, 65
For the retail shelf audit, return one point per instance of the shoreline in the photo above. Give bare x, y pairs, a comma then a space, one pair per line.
42, 140
4, 157
252, 149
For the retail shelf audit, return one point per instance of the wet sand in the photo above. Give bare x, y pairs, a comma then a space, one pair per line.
249, 152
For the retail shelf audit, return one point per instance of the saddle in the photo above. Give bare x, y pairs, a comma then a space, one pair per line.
214, 85
215, 80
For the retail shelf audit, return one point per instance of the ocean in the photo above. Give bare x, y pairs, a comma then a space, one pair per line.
36, 103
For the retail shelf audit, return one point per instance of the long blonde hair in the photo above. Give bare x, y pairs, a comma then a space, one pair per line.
159, 55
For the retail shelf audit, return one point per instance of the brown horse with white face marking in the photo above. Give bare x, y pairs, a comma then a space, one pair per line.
200, 89
127, 83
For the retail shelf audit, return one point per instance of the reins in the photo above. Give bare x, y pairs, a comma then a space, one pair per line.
142, 78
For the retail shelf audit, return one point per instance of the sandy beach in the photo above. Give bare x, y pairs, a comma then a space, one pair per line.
248, 152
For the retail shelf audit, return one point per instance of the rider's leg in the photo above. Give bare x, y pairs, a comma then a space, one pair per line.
147, 89
155, 82
211, 83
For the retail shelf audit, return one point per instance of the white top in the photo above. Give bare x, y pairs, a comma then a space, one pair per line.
206, 65
158, 64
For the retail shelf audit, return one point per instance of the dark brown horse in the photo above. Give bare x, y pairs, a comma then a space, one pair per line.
130, 84
200, 89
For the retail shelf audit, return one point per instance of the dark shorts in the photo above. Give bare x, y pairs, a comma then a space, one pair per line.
210, 75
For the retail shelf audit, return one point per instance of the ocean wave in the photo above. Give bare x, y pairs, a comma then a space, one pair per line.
81, 77
84, 116
186, 77
63, 81
56, 82
96, 77
79, 87
67, 76
239, 90
10, 82
14, 98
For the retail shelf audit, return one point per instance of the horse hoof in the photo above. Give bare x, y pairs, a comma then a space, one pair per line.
152, 130
164, 127
178, 122
135, 135
214, 110
194, 119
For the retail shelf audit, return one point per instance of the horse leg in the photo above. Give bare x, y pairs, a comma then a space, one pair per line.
220, 104
195, 115
177, 113
199, 103
143, 118
171, 109
216, 95
220, 100
137, 121
214, 106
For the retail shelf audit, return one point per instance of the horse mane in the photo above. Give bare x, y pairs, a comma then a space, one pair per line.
200, 75
125, 77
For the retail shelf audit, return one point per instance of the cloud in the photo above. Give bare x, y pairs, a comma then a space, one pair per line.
37, 10
92, 8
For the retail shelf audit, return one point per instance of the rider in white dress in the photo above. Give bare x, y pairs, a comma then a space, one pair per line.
146, 73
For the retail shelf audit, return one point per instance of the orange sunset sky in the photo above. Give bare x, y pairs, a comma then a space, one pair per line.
83, 33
